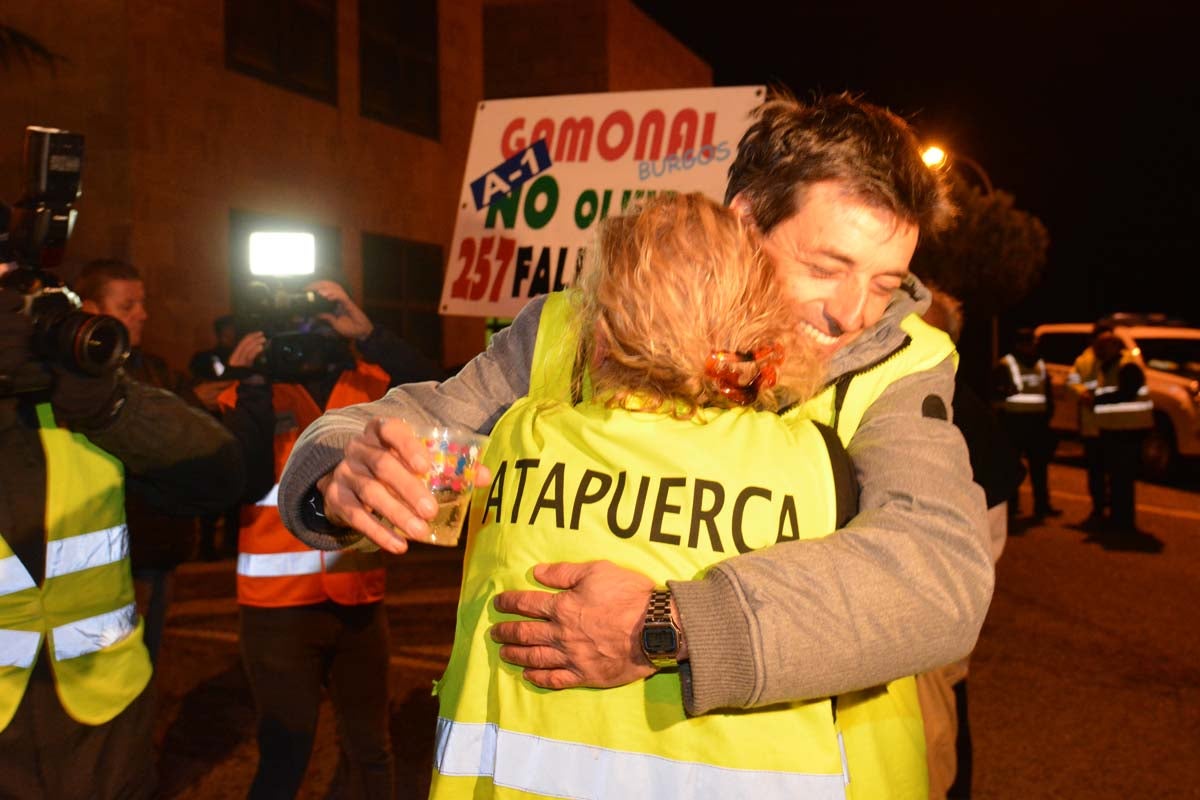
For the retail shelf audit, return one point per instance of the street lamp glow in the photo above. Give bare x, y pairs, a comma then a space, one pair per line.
934, 157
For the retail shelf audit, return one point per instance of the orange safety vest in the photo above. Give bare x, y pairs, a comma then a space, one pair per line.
275, 569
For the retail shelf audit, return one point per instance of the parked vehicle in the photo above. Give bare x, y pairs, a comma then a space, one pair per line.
1170, 355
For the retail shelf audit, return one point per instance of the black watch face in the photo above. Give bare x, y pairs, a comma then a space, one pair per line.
659, 639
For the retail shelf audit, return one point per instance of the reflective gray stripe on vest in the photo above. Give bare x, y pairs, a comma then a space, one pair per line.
77, 553
14, 577
19, 648
1130, 415
306, 562
276, 565
89, 635
1025, 402
565, 769
271, 498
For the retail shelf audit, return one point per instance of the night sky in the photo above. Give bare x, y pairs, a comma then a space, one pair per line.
1085, 112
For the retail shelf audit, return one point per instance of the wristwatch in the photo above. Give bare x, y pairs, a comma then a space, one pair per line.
661, 637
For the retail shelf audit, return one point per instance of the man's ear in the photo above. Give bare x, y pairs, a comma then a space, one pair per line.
90, 307
741, 206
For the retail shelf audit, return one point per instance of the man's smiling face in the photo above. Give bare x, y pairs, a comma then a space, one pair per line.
840, 260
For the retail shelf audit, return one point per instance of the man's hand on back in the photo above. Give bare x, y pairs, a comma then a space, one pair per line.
586, 635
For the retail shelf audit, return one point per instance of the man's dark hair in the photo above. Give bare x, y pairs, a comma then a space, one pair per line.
1101, 328
872, 152
95, 276
224, 322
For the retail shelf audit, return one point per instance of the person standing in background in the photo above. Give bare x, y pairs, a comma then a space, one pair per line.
309, 619
109, 286
1122, 409
1027, 404
997, 468
210, 365
208, 368
76, 696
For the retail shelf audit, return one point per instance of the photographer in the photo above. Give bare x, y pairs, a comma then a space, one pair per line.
76, 710
159, 542
311, 618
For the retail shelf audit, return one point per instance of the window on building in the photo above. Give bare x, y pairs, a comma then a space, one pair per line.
398, 64
402, 286
289, 43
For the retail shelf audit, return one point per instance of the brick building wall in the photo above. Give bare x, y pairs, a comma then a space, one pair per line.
175, 140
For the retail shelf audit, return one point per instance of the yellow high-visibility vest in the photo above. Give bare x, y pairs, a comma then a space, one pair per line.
882, 726
84, 608
1031, 387
576, 483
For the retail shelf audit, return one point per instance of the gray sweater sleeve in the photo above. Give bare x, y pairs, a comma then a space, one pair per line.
903, 588
474, 398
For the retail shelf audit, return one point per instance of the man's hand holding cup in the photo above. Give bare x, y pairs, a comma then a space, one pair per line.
386, 483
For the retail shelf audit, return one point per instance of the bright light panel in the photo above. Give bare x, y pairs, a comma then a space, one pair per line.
282, 254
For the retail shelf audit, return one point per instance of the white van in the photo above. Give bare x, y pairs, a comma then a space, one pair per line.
1171, 358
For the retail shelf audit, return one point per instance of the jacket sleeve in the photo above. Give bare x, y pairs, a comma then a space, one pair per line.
903, 588
178, 458
252, 423
474, 398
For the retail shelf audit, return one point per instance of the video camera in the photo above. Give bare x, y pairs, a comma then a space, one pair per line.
33, 235
299, 346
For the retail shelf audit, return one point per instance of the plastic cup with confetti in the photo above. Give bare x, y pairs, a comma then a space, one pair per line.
454, 454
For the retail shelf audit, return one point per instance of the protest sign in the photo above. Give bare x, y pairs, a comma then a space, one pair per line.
542, 171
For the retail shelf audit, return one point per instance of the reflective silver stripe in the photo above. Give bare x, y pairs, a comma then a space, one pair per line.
1013, 370
89, 635
1025, 403
14, 577
1129, 415
19, 648
306, 562
1143, 391
275, 565
95, 549
1133, 406
566, 769
271, 498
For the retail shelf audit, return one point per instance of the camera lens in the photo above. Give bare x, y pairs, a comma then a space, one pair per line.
100, 343
90, 343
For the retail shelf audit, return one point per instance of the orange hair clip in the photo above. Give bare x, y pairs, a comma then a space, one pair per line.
726, 369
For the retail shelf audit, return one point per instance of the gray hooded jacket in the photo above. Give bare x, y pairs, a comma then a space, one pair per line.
903, 588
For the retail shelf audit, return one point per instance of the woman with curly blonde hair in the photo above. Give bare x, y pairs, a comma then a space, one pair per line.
669, 286
666, 448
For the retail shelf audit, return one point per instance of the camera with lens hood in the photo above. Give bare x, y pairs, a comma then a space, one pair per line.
33, 238
299, 346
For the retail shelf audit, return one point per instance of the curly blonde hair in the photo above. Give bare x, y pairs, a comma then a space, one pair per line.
666, 286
